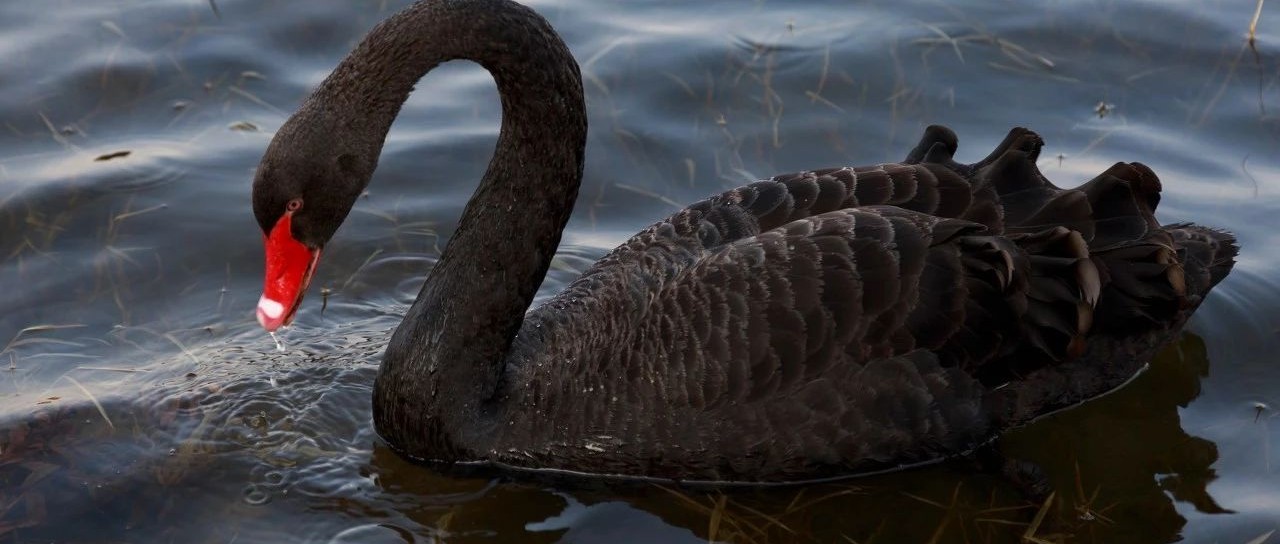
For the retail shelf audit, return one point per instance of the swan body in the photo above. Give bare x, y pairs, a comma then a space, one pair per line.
814, 325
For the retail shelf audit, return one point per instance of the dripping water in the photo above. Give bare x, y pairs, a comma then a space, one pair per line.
276, 339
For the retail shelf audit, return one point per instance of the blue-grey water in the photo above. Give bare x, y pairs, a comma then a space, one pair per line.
140, 402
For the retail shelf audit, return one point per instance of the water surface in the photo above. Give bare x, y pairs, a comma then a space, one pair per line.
139, 402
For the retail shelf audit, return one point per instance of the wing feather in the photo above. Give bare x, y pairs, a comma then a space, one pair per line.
843, 319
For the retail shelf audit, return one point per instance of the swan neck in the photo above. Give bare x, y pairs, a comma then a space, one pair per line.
442, 369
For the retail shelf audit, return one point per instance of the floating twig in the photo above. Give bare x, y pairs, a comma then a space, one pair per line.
112, 155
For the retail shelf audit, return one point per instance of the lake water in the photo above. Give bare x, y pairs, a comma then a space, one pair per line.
140, 402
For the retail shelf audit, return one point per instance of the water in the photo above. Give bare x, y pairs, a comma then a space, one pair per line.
139, 402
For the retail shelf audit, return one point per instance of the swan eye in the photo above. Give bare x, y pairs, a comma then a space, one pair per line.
294, 205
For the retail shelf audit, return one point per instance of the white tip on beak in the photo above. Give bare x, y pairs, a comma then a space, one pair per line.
270, 313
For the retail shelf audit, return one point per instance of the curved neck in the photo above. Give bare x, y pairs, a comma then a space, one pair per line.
445, 361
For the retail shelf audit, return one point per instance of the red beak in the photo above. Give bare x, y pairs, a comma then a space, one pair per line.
290, 264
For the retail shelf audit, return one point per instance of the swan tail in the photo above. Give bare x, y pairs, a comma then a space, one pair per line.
1146, 275
1207, 255
1031, 303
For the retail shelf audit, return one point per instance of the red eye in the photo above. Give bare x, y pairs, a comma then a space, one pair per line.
294, 205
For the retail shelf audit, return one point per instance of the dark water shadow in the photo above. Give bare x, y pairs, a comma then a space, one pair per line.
1118, 465
222, 464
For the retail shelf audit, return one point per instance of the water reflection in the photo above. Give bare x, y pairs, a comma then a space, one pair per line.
229, 459
1118, 465
1127, 457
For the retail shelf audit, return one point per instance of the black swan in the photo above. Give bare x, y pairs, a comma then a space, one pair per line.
815, 325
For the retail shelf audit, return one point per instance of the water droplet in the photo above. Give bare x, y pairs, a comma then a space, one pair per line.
279, 344
255, 496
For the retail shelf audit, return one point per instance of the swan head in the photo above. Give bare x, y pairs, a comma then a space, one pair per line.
290, 265
302, 192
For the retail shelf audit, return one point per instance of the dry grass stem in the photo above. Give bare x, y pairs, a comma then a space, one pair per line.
356, 272
645, 192
1253, 25
252, 98
1264, 537
1030, 534
106, 369
102, 411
